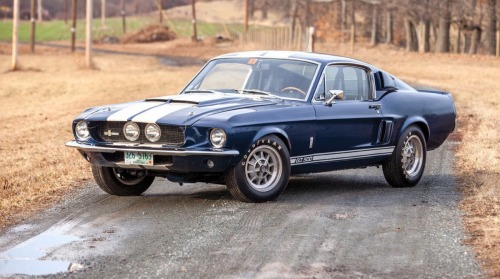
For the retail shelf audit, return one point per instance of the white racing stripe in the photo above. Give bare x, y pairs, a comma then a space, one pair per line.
125, 113
152, 115
341, 155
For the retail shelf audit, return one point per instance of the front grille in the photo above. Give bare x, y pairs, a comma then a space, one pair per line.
113, 132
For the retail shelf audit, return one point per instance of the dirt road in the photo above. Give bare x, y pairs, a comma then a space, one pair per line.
347, 224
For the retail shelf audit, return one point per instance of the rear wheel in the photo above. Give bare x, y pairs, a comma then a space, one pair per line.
407, 163
262, 174
122, 182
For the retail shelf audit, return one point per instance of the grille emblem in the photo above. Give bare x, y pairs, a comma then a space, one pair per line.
109, 133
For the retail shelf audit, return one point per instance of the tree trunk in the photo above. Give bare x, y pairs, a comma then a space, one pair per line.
474, 42
457, 50
425, 30
411, 35
308, 13
389, 28
443, 35
103, 13
342, 19
251, 8
491, 25
353, 25
374, 38
264, 9
466, 44
295, 10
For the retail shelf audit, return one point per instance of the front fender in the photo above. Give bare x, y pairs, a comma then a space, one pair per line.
264, 131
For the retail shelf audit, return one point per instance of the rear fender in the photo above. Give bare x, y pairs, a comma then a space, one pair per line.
417, 121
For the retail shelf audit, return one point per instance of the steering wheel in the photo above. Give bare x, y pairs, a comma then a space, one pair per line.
291, 88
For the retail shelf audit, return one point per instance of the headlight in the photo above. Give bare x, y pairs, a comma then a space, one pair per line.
82, 131
218, 138
153, 132
131, 131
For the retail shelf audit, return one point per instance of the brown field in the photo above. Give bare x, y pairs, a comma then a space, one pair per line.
39, 103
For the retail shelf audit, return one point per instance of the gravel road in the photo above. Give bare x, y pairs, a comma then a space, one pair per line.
345, 224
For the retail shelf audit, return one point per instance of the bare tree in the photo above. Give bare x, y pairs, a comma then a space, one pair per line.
443, 34
411, 35
374, 33
490, 28
265, 9
389, 27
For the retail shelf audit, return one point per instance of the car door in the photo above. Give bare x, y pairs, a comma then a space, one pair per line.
347, 128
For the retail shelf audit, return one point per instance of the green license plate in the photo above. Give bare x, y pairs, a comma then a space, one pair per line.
138, 158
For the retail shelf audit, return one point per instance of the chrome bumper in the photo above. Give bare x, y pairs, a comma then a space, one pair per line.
113, 149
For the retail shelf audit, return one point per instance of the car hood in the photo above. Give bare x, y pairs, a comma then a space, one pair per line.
182, 110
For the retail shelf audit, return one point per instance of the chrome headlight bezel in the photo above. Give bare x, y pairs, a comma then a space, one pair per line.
82, 131
128, 131
152, 132
218, 138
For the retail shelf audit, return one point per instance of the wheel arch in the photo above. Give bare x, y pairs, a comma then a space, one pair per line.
281, 134
420, 123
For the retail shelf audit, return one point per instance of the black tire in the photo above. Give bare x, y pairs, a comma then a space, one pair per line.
407, 163
122, 182
262, 175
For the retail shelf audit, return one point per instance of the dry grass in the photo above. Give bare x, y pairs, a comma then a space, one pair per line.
38, 105
473, 81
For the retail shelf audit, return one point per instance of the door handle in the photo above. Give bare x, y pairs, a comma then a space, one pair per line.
375, 106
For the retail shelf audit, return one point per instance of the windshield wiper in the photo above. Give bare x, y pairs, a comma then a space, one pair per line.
199, 91
256, 91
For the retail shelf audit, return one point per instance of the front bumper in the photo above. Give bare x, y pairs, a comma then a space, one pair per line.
166, 159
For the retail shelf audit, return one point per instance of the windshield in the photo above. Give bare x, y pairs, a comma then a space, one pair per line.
264, 76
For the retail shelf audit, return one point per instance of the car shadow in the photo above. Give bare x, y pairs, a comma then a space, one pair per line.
307, 187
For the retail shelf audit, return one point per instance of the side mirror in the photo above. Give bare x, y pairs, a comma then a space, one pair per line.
335, 95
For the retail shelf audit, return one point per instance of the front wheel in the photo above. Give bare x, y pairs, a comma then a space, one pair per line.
122, 182
406, 165
262, 175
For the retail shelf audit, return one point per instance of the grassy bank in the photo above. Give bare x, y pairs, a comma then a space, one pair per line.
57, 30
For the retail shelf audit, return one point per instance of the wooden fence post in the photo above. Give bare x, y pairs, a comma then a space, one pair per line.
88, 35
15, 35
73, 25
33, 25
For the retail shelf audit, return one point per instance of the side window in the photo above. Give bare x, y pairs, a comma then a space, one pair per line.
352, 80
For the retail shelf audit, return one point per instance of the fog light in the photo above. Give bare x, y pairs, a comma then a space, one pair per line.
210, 164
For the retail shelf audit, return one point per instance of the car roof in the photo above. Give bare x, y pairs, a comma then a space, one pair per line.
278, 54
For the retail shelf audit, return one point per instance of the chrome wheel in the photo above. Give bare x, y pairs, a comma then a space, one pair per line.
129, 177
263, 168
412, 156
